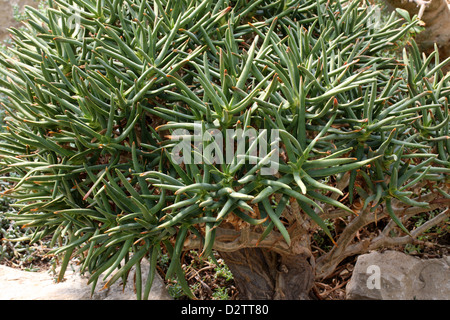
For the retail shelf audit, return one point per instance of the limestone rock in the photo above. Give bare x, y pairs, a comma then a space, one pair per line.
393, 275
22, 285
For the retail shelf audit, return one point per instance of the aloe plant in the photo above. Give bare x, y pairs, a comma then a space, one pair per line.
99, 90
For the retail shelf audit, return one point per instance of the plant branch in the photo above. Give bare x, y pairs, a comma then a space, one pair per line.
385, 241
422, 5
329, 261
228, 240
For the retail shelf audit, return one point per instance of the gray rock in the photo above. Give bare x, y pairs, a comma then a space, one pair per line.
393, 275
22, 285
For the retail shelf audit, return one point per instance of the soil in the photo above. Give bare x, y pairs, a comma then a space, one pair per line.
7, 19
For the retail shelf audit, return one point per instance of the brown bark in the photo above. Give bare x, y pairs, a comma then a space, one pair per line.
268, 269
262, 274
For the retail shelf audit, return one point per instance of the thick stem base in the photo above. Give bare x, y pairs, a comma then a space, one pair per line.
261, 274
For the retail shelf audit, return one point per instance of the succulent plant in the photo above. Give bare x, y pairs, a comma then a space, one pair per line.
100, 90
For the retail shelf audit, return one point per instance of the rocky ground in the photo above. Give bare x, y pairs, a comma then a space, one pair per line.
388, 275
16, 284
417, 271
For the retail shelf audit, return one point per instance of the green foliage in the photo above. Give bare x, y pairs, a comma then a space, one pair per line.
222, 270
97, 87
209, 273
221, 294
18, 251
18, 13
